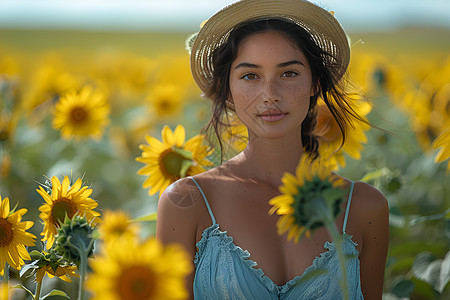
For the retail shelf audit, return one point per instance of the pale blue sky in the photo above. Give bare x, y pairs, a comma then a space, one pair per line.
187, 14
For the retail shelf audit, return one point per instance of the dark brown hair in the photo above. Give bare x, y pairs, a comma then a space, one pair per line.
327, 82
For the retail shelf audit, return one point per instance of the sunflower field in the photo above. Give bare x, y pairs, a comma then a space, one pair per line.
95, 125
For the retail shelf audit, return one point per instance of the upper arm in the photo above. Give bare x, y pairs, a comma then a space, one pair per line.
177, 220
375, 225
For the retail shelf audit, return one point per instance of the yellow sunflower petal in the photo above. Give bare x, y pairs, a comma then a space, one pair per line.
64, 202
4, 207
167, 136
117, 269
179, 135
14, 237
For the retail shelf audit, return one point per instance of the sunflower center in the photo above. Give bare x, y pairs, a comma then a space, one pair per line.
164, 104
119, 229
6, 233
61, 208
171, 163
78, 114
136, 282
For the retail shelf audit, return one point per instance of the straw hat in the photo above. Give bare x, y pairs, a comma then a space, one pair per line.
323, 27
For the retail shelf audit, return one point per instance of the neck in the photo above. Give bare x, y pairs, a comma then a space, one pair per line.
268, 159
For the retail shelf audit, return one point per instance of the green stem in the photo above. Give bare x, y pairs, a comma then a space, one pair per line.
82, 271
337, 238
5, 289
37, 294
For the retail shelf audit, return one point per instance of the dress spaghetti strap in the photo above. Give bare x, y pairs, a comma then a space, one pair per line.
206, 201
348, 206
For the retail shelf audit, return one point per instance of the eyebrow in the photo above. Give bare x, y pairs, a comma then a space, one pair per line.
281, 65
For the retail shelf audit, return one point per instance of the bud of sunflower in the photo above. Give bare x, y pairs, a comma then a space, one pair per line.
318, 202
75, 239
309, 200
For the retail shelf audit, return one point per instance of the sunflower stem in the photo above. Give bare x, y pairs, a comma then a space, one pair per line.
37, 294
82, 270
328, 220
5, 289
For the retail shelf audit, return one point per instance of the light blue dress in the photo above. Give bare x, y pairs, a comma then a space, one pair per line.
225, 271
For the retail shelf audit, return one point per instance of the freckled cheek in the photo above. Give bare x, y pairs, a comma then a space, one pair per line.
243, 94
297, 92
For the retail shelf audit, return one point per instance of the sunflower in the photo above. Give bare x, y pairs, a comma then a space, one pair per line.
330, 136
309, 199
81, 114
60, 272
166, 99
443, 142
50, 80
51, 264
13, 236
171, 159
129, 269
116, 224
65, 200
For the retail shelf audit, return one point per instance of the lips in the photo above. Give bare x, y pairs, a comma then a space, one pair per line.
272, 115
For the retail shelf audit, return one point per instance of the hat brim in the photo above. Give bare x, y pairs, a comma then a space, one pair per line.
319, 23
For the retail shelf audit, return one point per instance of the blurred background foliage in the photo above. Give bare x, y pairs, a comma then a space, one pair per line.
146, 80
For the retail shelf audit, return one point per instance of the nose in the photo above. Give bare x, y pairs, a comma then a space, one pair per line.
271, 92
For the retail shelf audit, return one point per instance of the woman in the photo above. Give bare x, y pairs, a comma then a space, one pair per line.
268, 62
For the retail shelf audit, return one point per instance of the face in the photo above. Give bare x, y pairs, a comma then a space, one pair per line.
270, 85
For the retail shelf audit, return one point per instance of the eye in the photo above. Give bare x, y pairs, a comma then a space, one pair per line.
249, 76
289, 74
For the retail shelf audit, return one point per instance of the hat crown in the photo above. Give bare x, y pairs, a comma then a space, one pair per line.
324, 29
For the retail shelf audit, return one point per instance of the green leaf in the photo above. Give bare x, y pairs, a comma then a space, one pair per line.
148, 218
444, 276
412, 247
376, 174
27, 267
35, 253
429, 218
421, 264
397, 221
19, 286
56, 293
401, 264
447, 227
433, 271
403, 288
422, 290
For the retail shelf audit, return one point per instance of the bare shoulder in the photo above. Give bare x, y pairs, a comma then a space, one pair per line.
182, 194
372, 213
369, 201
211, 178
179, 209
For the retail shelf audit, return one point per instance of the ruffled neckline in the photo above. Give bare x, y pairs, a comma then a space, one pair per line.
227, 241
